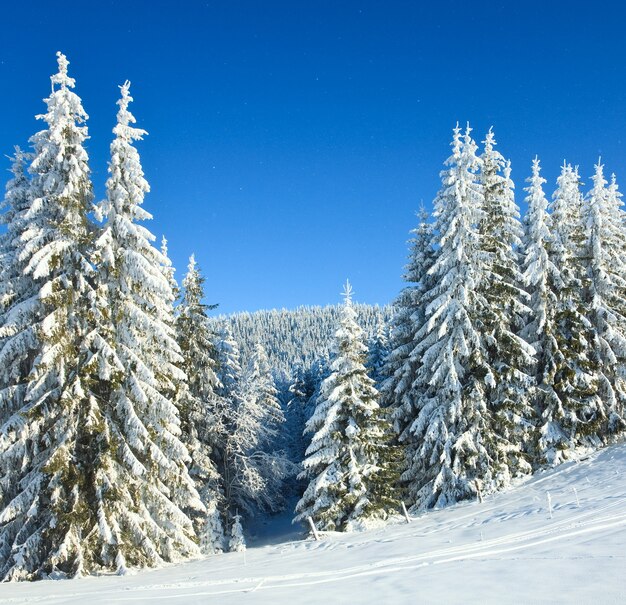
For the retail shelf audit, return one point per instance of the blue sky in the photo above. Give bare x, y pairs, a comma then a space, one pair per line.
292, 142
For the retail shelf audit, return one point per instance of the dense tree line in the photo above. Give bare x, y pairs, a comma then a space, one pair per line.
507, 346
297, 339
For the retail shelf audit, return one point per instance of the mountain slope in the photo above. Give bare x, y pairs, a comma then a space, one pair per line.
508, 549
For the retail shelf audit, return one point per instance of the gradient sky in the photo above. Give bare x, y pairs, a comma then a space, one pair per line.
292, 142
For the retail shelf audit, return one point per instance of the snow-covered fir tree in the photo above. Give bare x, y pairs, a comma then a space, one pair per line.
349, 463
447, 447
575, 416
237, 542
398, 390
52, 445
607, 268
198, 402
543, 280
229, 392
144, 493
228, 363
500, 285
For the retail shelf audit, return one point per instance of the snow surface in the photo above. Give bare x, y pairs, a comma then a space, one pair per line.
509, 549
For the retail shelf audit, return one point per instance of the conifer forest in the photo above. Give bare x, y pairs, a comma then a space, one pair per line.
140, 427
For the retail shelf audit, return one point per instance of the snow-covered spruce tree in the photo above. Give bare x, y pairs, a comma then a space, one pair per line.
543, 281
575, 416
607, 269
198, 402
229, 392
228, 363
51, 447
447, 443
500, 285
144, 493
398, 390
349, 464
237, 542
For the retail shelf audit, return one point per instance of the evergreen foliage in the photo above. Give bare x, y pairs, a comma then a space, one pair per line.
304, 393
237, 542
145, 492
378, 349
447, 442
543, 280
50, 446
607, 270
399, 391
509, 357
349, 463
198, 402
574, 417
18, 293
297, 338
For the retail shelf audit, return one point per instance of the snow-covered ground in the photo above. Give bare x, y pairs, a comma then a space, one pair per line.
509, 549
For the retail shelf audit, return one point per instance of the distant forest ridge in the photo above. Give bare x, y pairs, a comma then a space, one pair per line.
297, 337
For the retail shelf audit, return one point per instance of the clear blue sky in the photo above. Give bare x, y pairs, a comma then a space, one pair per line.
292, 142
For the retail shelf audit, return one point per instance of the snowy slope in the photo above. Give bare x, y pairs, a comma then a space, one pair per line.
506, 550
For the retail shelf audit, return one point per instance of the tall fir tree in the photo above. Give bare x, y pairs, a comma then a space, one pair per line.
607, 270
509, 356
543, 280
574, 417
446, 442
144, 491
349, 463
198, 402
230, 395
52, 445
